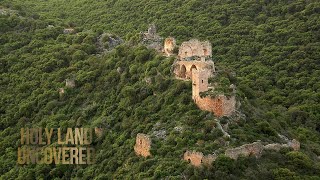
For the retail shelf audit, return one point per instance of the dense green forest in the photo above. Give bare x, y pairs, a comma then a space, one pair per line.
270, 49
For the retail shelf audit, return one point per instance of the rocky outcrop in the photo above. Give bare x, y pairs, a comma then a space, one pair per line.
107, 42
151, 39
143, 145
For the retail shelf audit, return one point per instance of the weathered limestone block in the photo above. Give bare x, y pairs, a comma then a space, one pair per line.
255, 149
70, 83
194, 47
143, 145
169, 45
193, 157
107, 42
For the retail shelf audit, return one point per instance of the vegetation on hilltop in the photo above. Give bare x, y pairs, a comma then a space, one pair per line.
272, 46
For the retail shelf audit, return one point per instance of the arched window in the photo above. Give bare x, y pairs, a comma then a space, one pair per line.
183, 71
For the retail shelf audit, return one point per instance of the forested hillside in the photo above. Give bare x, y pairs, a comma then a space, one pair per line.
269, 49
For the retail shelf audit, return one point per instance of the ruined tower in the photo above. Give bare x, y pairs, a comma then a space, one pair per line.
199, 82
195, 63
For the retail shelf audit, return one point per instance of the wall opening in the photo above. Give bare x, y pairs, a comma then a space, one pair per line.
205, 52
183, 71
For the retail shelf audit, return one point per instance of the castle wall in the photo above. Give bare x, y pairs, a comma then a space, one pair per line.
143, 145
195, 47
219, 105
255, 149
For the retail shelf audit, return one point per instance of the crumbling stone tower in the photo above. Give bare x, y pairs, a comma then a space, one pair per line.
199, 83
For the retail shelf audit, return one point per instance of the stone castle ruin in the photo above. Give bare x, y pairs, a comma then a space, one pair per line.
143, 145
195, 63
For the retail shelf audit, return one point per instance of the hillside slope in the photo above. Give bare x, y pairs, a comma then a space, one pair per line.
272, 48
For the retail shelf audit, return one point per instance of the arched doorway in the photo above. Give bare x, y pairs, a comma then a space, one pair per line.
183, 71
193, 67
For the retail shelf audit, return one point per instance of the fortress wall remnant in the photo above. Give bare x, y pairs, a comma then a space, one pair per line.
197, 158
220, 105
195, 47
246, 150
193, 157
169, 45
294, 144
210, 104
143, 145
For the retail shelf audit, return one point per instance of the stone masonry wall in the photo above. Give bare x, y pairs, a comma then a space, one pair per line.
219, 105
197, 158
143, 145
195, 47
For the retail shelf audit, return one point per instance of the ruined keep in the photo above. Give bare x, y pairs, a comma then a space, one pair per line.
143, 145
